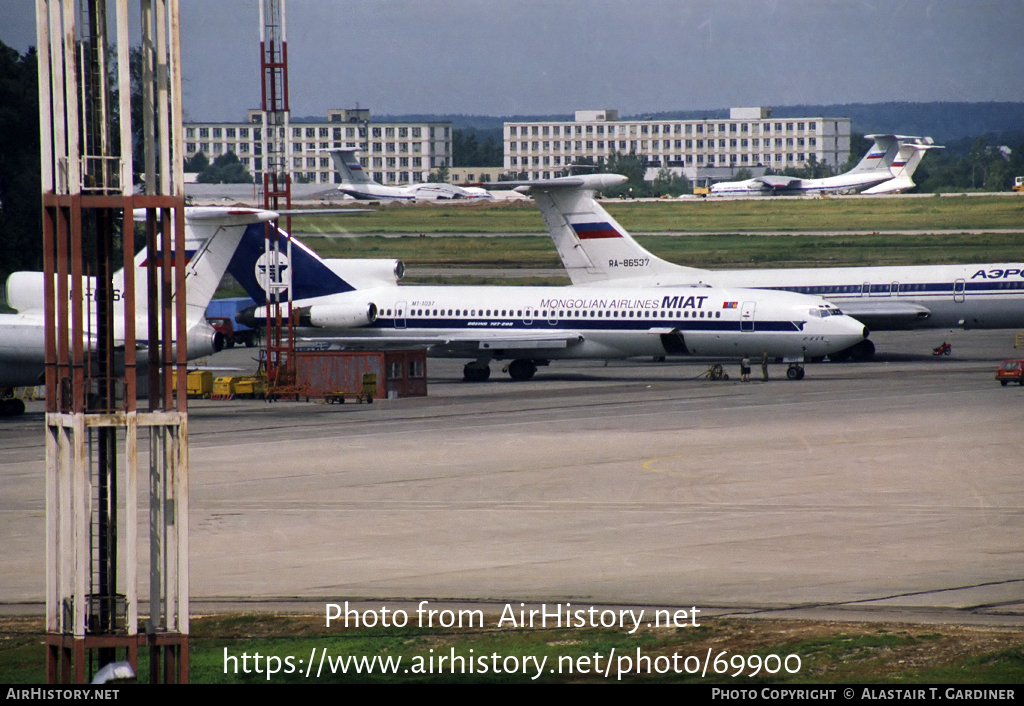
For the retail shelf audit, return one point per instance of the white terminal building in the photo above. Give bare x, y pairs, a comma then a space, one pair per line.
750, 138
392, 153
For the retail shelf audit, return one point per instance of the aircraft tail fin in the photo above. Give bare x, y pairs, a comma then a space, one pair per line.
592, 245
911, 151
303, 270
211, 238
348, 167
880, 155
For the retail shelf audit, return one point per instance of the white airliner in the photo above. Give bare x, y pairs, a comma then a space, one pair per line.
357, 183
359, 305
598, 252
211, 236
886, 168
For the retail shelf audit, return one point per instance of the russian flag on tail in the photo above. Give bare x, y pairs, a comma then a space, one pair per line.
593, 231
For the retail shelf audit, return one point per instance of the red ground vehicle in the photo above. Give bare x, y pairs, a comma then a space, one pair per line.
224, 326
1011, 371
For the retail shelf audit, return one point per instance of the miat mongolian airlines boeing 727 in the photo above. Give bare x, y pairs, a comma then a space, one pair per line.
598, 252
358, 304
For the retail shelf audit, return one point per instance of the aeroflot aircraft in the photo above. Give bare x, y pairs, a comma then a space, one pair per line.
885, 169
359, 305
211, 236
357, 183
598, 252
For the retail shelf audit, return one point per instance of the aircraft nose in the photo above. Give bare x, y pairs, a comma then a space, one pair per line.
847, 328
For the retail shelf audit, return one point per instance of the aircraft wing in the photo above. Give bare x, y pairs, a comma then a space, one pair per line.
883, 315
594, 182
462, 342
778, 182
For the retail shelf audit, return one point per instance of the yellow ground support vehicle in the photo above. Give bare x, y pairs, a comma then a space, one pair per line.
229, 387
198, 383
369, 389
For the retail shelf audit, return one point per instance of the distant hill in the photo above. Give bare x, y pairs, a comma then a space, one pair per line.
946, 122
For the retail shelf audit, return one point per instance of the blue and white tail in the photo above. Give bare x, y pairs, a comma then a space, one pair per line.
258, 268
594, 248
348, 167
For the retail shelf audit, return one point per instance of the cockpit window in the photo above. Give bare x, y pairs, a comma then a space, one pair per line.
825, 311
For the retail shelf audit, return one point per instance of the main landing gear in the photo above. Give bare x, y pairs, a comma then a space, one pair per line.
795, 371
10, 406
519, 370
476, 371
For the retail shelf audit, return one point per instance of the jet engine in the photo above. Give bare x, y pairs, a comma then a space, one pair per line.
203, 340
347, 315
368, 273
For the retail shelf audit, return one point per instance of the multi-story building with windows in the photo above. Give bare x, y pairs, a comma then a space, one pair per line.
392, 153
749, 138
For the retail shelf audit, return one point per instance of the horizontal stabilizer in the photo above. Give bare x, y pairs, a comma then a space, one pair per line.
588, 182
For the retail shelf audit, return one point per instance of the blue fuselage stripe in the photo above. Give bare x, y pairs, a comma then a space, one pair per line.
904, 290
571, 324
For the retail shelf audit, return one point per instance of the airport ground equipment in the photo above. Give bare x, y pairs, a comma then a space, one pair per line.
339, 375
366, 392
1011, 371
1018, 185
945, 349
220, 313
716, 372
198, 384
230, 387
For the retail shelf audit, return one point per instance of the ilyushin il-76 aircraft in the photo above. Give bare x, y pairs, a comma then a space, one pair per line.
356, 183
887, 168
358, 304
211, 236
598, 252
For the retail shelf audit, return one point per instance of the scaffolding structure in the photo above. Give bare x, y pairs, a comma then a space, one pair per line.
275, 268
97, 339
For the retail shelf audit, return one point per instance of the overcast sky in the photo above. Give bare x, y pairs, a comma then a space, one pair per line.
503, 57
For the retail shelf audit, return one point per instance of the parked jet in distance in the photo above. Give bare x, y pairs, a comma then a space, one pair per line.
531, 326
598, 252
211, 236
357, 183
886, 168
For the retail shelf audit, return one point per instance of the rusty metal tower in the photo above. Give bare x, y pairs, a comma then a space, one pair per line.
104, 329
277, 196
